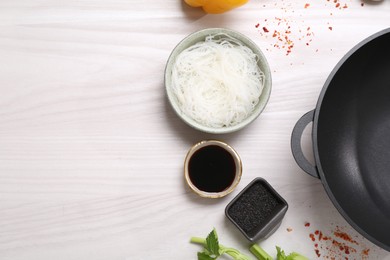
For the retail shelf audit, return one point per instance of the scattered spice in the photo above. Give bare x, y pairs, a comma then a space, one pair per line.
288, 30
307, 224
281, 34
289, 229
365, 252
344, 236
338, 245
317, 252
339, 5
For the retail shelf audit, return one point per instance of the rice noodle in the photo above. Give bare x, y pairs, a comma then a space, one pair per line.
217, 82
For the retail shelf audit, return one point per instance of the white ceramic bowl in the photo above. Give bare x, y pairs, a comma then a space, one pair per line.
200, 36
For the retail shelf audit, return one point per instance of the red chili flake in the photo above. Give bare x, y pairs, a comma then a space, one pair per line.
257, 25
320, 236
317, 252
281, 29
307, 224
335, 246
362, 4
345, 6
343, 247
330, 28
365, 252
338, 4
345, 237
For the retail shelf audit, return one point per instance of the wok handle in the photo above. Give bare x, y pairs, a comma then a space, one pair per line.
296, 147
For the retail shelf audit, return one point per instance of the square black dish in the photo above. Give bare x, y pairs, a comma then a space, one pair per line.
257, 211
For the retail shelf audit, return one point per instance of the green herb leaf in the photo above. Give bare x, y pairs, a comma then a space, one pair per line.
293, 256
204, 256
213, 250
296, 256
212, 243
280, 255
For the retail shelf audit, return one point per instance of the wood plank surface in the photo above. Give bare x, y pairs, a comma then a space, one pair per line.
91, 153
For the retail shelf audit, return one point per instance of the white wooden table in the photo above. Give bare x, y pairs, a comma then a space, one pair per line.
91, 153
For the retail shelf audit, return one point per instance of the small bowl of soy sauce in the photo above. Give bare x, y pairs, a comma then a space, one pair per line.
212, 169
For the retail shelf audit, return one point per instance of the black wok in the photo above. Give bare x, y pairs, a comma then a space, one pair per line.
351, 138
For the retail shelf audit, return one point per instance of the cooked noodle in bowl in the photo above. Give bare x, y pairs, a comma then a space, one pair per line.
217, 83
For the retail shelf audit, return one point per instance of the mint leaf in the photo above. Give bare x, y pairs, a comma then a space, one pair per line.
212, 243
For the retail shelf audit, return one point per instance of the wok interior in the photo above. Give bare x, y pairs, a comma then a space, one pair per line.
353, 139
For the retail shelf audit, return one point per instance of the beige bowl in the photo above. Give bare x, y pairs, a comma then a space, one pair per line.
235, 160
200, 36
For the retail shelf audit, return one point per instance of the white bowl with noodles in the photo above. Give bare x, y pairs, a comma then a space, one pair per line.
191, 96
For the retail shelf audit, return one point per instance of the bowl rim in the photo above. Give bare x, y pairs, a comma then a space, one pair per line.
262, 63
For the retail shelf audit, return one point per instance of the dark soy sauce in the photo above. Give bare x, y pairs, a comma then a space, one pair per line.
255, 206
212, 169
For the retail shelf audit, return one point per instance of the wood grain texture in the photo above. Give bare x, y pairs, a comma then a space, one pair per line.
91, 154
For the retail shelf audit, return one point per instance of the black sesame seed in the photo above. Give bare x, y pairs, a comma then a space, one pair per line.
254, 207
